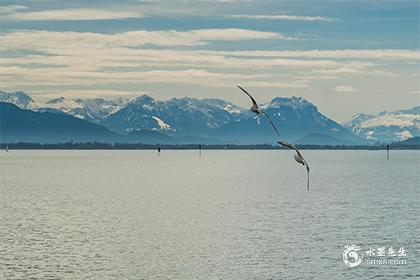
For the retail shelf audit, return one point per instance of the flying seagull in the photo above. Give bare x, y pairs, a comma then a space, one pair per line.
257, 110
298, 157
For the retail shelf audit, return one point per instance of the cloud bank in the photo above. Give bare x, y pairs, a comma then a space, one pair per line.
285, 17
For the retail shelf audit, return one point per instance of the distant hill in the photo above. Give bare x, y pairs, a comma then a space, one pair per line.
148, 137
409, 143
18, 125
321, 139
156, 137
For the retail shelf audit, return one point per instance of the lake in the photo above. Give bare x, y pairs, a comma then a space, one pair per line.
226, 215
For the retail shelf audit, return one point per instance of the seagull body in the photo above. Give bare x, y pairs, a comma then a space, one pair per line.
257, 110
298, 157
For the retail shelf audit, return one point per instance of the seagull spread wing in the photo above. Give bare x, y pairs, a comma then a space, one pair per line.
254, 103
272, 123
288, 145
257, 110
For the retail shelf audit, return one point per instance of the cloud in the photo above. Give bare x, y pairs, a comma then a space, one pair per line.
380, 54
66, 40
87, 93
346, 89
233, 34
72, 14
89, 59
356, 68
4, 10
12, 76
285, 17
417, 91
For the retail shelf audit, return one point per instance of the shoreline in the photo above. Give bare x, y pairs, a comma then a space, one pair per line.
141, 146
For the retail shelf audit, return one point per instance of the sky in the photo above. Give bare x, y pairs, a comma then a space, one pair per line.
344, 56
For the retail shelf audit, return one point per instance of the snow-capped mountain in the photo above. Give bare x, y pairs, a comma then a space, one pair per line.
93, 110
294, 117
218, 119
19, 98
224, 122
63, 104
357, 119
387, 126
180, 116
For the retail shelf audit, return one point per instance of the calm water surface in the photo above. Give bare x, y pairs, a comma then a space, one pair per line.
227, 215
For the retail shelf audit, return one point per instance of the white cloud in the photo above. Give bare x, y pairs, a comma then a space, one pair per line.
271, 84
417, 91
10, 9
89, 59
81, 77
380, 54
233, 34
86, 93
74, 40
285, 17
355, 68
72, 14
346, 89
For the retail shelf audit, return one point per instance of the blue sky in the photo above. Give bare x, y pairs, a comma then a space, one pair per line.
344, 56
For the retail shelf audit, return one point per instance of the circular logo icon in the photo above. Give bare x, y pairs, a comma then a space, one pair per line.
350, 256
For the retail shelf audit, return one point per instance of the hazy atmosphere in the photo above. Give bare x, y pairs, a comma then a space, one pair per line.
344, 56
198, 139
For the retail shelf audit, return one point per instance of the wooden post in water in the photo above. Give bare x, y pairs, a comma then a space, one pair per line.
199, 150
387, 152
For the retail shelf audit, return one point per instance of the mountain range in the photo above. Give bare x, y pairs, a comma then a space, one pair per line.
386, 126
191, 120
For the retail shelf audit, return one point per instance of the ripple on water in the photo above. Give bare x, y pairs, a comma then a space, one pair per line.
228, 215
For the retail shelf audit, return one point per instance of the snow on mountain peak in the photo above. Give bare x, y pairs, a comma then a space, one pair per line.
161, 124
293, 102
402, 120
63, 104
224, 105
387, 126
403, 135
232, 108
19, 98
